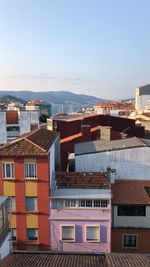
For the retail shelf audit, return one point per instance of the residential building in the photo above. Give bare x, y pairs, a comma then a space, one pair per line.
43, 107
27, 166
114, 108
77, 128
5, 245
15, 123
131, 216
142, 97
123, 159
45, 259
80, 213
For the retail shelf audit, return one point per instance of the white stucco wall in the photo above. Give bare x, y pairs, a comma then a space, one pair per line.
131, 221
129, 163
3, 133
26, 118
5, 247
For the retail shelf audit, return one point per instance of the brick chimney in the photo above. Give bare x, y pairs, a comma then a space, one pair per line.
105, 133
86, 134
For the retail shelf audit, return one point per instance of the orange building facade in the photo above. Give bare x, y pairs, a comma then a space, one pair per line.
25, 175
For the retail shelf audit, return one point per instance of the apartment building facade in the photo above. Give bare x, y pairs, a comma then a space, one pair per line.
15, 123
80, 213
27, 166
131, 216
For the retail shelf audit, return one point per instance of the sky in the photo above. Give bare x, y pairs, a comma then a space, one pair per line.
96, 47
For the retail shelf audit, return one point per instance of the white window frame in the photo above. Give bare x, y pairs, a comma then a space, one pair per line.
4, 164
72, 203
61, 228
92, 241
26, 164
125, 247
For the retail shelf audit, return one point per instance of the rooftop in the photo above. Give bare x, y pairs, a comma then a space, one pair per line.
35, 143
102, 146
38, 259
82, 180
74, 117
131, 192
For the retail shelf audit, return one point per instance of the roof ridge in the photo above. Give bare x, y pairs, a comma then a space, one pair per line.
35, 144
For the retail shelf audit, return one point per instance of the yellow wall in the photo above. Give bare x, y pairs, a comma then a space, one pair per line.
31, 188
12, 222
9, 188
32, 221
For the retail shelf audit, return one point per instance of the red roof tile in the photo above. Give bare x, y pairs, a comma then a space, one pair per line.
35, 143
11, 117
86, 180
38, 259
125, 192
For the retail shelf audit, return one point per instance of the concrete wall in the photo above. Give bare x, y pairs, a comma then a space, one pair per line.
3, 133
129, 163
26, 118
80, 218
131, 221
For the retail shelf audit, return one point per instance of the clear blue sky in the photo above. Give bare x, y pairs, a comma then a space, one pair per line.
97, 47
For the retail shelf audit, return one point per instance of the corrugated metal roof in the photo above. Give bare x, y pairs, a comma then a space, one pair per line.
82, 193
31, 259
101, 145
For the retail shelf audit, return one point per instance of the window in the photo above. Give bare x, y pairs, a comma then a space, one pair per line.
85, 203
132, 210
12, 204
92, 233
1, 219
8, 169
68, 233
31, 203
79, 203
32, 234
30, 169
14, 234
129, 241
70, 203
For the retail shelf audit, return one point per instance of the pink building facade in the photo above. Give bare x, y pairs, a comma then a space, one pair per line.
81, 220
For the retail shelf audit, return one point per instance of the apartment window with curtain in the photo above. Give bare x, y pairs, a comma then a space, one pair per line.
12, 204
31, 204
30, 169
8, 169
92, 233
68, 233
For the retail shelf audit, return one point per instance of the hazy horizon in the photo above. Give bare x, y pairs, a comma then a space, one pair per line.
92, 47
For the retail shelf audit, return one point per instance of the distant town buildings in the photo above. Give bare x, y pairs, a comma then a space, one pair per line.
43, 108
114, 108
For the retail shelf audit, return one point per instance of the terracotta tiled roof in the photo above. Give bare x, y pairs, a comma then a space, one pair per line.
130, 192
11, 117
82, 180
31, 259
35, 143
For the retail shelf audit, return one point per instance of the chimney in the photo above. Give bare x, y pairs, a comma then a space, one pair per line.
105, 133
86, 133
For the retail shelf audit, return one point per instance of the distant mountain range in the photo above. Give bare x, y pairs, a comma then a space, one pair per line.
65, 100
